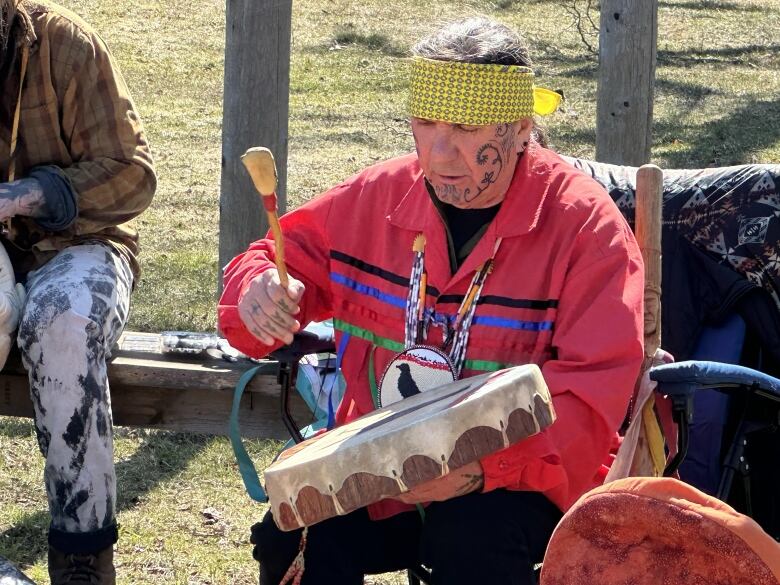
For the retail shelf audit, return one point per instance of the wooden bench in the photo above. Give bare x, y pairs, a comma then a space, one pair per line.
178, 392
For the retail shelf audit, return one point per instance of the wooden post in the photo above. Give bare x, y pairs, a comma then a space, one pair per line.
649, 457
256, 106
627, 53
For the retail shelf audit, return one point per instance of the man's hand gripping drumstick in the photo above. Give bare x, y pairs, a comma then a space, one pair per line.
270, 301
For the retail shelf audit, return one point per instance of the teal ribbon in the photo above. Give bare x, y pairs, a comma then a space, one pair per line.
248, 472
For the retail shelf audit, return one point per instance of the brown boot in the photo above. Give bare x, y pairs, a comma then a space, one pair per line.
73, 569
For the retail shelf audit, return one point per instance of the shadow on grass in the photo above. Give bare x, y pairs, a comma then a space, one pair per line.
691, 94
348, 35
160, 458
547, 51
710, 5
724, 55
16, 427
508, 4
585, 67
24, 543
574, 136
729, 141
357, 137
332, 119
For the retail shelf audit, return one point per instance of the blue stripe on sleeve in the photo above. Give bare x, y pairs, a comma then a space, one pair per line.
368, 290
399, 302
512, 323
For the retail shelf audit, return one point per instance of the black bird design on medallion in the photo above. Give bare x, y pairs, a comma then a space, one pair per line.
406, 384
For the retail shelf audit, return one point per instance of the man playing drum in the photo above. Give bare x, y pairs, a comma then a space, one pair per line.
74, 168
489, 248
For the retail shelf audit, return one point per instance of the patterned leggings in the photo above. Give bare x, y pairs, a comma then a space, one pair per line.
77, 306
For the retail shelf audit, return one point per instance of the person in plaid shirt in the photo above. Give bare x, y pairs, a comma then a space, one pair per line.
74, 168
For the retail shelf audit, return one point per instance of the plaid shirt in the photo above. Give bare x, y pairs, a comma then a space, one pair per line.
77, 114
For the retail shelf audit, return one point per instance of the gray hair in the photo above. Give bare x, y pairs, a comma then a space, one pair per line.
475, 40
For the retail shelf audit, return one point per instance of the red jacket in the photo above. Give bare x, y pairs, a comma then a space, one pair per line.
566, 293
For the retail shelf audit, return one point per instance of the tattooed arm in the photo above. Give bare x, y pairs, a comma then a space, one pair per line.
23, 197
458, 482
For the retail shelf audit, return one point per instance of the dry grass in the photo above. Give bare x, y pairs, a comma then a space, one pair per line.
717, 100
718, 84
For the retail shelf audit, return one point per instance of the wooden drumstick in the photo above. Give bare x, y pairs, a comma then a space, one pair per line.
262, 168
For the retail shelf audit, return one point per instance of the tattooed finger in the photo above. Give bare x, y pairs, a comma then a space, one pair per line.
269, 326
279, 331
274, 318
264, 338
267, 333
260, 333
254, 318
286, 306
284, 320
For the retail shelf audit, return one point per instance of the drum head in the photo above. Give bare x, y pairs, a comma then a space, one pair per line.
412, 371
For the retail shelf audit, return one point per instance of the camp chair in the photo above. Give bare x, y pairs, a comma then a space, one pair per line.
651, 530
730, 431
680, 381
310, 341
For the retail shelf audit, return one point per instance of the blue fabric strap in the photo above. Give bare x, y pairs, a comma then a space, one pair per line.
248, 472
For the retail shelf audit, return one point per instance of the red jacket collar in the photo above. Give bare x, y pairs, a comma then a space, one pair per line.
519, 213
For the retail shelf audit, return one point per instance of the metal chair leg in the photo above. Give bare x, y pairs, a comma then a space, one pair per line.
418, 575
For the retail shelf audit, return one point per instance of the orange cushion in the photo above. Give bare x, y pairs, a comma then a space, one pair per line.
647, 531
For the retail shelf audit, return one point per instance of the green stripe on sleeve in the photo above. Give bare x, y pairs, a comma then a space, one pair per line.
383, 342
397, 346
372, 378
486, 366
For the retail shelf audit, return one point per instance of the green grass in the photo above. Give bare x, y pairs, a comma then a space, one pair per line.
717, 102
184, 518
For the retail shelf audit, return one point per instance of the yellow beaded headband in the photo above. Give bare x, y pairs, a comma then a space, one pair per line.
476, 94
